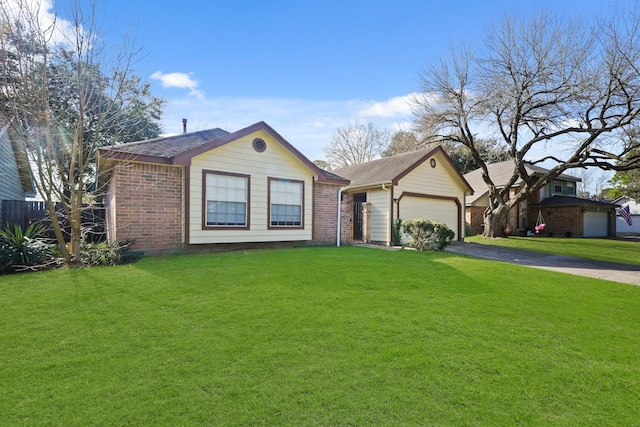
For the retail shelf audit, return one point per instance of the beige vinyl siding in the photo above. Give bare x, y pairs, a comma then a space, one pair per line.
240, 157
482, 201
380, 215
438, 181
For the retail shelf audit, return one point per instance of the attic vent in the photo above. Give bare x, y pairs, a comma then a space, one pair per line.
259, 145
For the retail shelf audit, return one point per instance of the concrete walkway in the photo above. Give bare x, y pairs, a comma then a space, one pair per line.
616, 272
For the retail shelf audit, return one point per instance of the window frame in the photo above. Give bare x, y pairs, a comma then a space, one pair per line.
557, 183
302, 213
570, 188
206, 226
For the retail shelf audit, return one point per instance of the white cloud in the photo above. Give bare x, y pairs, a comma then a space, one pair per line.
179, 80
394, 107
307, 124
42, 12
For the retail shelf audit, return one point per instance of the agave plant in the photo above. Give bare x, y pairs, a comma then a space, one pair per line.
20, 247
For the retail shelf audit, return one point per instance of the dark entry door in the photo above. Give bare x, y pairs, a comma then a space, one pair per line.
358, 200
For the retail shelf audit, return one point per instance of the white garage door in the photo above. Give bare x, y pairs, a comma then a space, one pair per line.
623, 227
596, 224
445, 211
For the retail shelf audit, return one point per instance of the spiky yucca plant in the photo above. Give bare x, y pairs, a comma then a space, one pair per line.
20, 247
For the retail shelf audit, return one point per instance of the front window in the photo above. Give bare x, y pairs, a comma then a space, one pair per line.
557, 186
226, 200
571, 188
286, 204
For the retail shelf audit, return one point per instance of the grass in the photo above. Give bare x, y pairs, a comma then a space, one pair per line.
318, 336
613, 250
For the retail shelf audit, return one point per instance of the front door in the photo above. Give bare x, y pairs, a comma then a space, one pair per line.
358, 200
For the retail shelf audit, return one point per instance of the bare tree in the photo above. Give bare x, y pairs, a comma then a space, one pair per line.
356, 144
552, 90
66, 94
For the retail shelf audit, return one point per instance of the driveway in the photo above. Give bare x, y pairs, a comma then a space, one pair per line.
616, 272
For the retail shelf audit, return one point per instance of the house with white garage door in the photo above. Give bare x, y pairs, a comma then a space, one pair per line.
420, 184
622, 225
556, 205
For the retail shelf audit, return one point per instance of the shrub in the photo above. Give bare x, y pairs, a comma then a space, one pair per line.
22, 248
427, 235
115, 253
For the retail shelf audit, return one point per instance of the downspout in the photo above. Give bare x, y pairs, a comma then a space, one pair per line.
339, 214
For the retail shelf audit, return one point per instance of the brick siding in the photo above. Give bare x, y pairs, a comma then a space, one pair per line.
325, 199
366, 222
146, 204
560, 221
346, 233
474, 218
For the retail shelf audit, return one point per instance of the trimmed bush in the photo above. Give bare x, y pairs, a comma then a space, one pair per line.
94, 254
427, 235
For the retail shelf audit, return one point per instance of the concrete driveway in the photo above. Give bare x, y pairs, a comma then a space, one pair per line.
616, 272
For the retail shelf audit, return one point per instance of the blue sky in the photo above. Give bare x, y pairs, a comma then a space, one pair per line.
304, 67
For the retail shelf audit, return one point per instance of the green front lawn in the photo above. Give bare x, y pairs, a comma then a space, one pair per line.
318, 336
613, 250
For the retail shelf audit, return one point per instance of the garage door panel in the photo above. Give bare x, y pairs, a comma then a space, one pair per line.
596, 224
623, 227
445, 211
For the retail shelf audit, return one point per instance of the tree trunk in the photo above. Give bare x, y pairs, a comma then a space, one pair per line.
495, 222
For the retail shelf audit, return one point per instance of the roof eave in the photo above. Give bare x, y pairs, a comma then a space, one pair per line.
369, 185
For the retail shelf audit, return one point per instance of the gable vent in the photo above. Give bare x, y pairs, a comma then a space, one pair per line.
259, 145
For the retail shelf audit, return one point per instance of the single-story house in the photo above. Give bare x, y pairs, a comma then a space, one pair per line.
212, 187
16, 181
420, 184
555, 203
634, 209
215, 187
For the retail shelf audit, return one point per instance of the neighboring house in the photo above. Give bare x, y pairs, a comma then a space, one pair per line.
15, 174
562, 212
215, 187
621, 224
421, 184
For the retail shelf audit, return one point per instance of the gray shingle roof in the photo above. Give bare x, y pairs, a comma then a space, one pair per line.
179, 149
382, 170
169, 146
573, 201
500, 174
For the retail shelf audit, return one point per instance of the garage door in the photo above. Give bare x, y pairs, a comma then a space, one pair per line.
623, 227
596, 224
445, 211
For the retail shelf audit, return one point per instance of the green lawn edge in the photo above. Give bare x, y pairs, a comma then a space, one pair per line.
623, 251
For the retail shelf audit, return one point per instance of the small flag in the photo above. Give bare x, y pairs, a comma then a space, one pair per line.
626, 214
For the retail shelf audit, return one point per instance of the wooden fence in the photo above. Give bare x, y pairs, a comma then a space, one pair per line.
25, 213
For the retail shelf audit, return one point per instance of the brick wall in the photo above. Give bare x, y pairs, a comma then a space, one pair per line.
366, 222
561, 220
325, 212
147, 205
345, 232
474, 218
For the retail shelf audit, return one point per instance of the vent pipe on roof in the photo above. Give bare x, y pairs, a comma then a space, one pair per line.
184, 125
